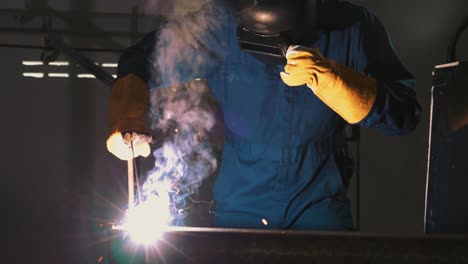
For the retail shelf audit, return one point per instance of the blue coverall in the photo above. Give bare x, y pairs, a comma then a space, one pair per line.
285, 162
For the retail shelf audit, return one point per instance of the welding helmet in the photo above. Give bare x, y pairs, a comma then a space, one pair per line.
268, 26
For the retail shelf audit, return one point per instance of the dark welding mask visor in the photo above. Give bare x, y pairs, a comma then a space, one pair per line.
266, 26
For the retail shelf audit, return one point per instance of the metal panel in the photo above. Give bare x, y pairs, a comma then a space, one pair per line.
447, 177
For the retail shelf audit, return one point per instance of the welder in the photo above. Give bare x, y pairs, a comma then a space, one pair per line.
286, 103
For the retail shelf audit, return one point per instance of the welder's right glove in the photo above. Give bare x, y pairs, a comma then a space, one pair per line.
346, 91
127, 106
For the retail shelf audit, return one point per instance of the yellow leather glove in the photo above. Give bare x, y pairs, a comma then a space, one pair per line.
127, 106
346, 91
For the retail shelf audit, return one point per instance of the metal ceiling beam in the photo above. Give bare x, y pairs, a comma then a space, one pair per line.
19, 30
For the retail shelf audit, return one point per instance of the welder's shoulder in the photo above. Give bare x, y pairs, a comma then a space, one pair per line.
134, 59
146, 44
341, 15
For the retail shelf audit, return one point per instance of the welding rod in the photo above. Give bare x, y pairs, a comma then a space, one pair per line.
131, 184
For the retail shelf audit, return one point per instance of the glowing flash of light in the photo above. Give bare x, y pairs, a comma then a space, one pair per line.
182, 162
146, 222
187, 48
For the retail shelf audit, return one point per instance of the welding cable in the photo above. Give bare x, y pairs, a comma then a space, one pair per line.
20, 46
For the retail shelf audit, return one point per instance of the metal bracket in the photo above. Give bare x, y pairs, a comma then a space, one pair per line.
56, 41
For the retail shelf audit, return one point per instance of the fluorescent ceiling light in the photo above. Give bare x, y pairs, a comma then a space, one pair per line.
109, 65
32, 63
86, 76
58, 75
33, 74
59, 63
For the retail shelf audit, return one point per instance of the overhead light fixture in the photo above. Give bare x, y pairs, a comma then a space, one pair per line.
59, 63
58, 75
86, 76
32, 63
109, 65
33, 74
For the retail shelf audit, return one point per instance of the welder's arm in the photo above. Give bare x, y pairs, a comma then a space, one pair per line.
128, 103
383, 97
349, 93
396, 109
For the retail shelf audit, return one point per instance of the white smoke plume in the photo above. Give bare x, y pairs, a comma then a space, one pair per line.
173, 9
185, 115
188, 46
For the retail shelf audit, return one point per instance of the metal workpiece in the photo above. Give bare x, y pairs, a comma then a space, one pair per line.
217, 245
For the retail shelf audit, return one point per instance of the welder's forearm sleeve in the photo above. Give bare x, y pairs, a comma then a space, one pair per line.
130, 96
137, 59
396, 110
129, 101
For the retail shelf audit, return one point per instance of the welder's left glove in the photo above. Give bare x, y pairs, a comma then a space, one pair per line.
127, 106
349, 93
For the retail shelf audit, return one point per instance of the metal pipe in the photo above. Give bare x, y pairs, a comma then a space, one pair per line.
40, 47
47, 11
13, 30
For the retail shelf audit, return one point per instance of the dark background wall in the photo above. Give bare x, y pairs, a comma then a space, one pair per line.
54, 161
394, 169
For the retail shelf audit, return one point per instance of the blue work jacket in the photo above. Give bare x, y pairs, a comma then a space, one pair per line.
285, 162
